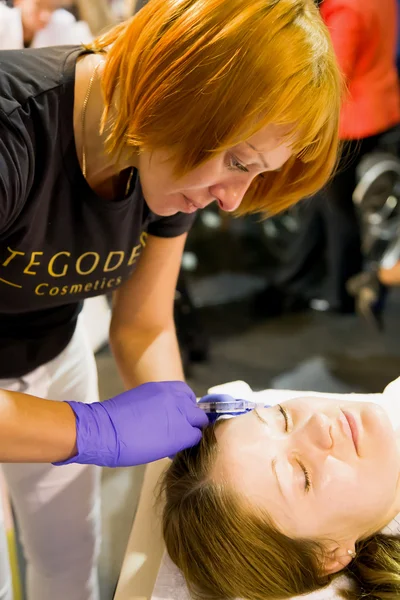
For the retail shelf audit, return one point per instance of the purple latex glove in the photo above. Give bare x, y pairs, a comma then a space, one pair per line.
141, 425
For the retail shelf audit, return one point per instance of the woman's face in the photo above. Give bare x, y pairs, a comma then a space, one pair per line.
322, 469
223, 179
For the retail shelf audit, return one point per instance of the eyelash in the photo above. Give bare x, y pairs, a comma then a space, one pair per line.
235, 165
285, 416
306, 476
306, 473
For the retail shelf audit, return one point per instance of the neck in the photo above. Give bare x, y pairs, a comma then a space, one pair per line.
102, 168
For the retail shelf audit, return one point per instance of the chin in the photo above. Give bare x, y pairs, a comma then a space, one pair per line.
162, 209
164, 212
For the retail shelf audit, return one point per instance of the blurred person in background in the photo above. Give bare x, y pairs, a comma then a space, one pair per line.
364, 36
39, 23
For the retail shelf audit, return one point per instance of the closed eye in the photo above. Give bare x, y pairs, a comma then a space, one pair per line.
307, 477
285, 416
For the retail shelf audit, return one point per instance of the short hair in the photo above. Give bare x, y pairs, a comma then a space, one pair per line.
200, 76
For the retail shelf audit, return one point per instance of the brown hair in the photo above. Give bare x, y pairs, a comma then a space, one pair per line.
201, 76
225, 550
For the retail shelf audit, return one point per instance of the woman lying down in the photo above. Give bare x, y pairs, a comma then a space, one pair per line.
277, 502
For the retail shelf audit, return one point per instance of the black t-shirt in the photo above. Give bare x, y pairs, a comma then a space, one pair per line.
59, 241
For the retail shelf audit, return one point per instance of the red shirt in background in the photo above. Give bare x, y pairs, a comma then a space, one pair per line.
364, 36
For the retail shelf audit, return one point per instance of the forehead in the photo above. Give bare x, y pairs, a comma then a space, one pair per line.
239, 443
244, 462
270, 137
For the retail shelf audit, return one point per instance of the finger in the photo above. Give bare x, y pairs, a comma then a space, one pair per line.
197, 417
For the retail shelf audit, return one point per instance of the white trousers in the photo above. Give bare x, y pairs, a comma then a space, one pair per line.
57, 508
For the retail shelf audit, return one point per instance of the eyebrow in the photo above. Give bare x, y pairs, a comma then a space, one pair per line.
264, 162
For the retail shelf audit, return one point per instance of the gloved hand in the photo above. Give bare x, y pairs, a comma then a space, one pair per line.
141, 425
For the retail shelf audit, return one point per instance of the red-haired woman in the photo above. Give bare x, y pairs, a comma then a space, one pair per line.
106, 155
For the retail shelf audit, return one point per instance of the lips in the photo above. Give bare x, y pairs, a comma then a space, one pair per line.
353, 428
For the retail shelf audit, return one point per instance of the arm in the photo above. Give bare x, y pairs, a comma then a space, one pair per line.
35, 430
31, 429
141, 425
347, 31
142, 333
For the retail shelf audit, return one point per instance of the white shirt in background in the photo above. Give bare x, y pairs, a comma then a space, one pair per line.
62, 29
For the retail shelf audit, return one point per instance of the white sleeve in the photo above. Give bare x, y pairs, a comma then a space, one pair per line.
62, 29
11, 34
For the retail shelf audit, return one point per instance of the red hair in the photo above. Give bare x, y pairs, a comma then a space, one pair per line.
201, 76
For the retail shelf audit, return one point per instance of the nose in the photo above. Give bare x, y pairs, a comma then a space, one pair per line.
311, 439
318, 430
229, 196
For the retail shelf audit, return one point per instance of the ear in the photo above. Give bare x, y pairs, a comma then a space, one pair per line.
338, 557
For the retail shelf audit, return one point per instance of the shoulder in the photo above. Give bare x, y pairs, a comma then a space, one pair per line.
29, 74
17, 158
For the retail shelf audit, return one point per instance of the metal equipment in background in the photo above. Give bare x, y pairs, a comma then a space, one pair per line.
377, 198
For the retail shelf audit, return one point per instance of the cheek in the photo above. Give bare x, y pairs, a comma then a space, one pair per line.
356, 490
157, 173
211, 173
380, 441
157, 189
203, 177
339, 482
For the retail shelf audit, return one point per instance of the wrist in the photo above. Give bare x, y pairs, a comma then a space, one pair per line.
93, 427
68, 442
